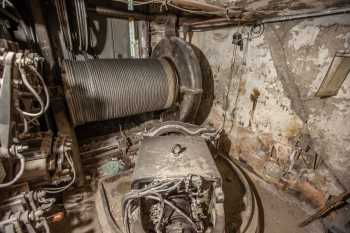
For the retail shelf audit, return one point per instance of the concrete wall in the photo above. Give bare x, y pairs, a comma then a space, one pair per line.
274, 123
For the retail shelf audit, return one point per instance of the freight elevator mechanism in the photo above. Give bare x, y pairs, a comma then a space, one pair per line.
53, 100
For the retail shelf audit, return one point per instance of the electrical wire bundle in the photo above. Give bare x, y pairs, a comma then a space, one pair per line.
54, 190
65, 149
156, 192
165, 3
24, 68
44, 105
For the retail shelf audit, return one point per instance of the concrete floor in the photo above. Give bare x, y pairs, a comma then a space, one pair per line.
282, 212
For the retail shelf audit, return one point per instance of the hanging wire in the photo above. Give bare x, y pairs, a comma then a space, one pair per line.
165, 3
231, 74
244, 58
254, 32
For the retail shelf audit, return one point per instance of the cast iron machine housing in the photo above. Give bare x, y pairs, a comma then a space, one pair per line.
176, 187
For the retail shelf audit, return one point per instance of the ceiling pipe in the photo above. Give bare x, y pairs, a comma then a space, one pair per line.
306, 15
212, 23
108, 12
224, 22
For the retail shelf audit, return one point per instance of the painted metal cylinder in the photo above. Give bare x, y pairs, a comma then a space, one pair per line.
104, 89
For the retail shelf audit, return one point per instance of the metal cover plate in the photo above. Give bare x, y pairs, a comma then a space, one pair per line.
336, 74
156, 160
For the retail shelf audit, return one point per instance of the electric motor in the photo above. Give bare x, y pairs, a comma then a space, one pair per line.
176, 188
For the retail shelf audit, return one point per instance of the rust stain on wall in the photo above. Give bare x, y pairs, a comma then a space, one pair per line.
294, 128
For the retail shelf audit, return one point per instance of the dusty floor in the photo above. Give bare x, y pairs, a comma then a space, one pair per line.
281, 213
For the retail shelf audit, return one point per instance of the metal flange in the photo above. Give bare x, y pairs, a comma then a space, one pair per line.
184, 60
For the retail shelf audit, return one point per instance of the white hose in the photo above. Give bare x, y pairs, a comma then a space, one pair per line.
35, 94
47, 95
19, 174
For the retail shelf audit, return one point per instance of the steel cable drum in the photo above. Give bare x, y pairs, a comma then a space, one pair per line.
104, 89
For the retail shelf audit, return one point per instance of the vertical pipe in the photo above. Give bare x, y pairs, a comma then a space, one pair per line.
144, 38
133, 43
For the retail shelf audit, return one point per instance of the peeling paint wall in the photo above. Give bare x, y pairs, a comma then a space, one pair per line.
273, 121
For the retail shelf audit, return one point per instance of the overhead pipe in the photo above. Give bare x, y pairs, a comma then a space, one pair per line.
222, 22
104, 11
306, 15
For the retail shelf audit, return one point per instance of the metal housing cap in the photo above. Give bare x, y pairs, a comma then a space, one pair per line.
172, 156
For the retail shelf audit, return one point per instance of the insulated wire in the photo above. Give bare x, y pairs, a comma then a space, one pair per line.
233, 62
61, 189
162, 202
170, 188
169, 3
135, 194
137, 3
176, 209
248, 38
195, 11
152, 192
18, 175
44, 86
154, 187
35, 94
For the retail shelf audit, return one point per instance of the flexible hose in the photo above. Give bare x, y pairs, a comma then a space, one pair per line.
19, 174
35, 94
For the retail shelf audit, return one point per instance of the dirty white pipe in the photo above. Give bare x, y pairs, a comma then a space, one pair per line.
306, 15
223, 22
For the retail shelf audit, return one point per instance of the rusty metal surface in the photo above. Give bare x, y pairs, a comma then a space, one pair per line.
47, 48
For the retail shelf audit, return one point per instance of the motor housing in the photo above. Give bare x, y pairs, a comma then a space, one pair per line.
176, 187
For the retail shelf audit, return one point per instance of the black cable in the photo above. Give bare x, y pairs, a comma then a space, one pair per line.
107, 209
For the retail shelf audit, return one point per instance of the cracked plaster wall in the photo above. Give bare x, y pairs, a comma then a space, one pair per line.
282, 71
